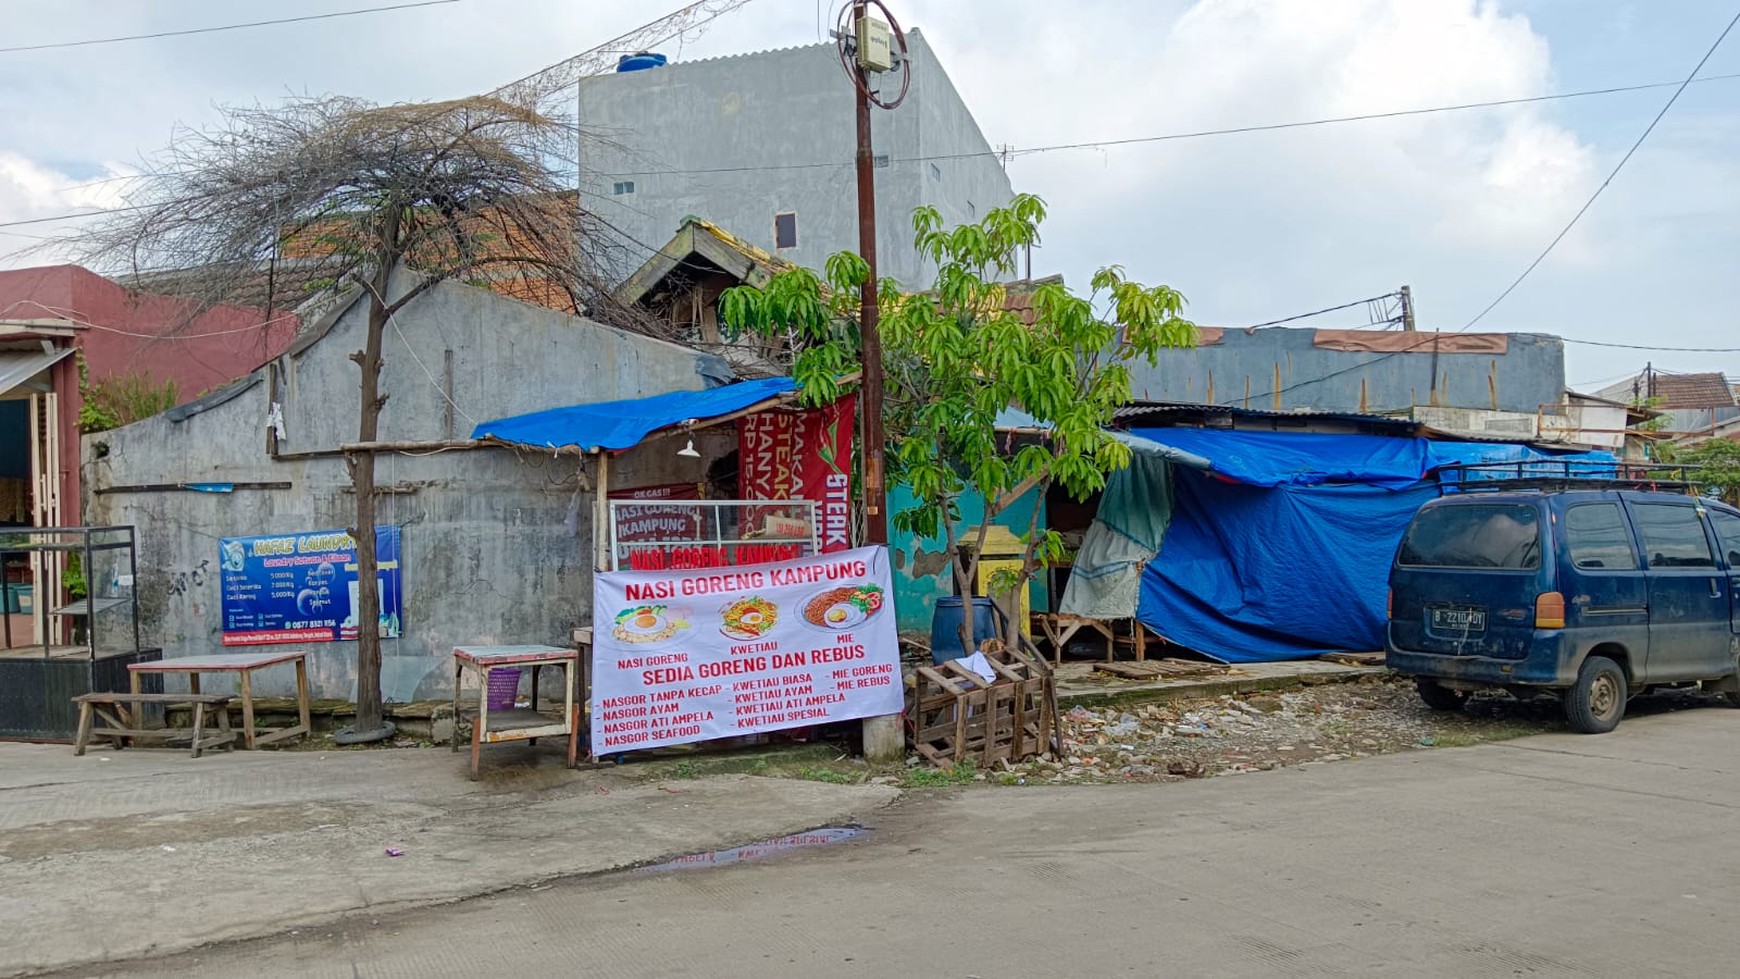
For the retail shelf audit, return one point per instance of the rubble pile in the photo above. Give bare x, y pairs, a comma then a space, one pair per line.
1232, 735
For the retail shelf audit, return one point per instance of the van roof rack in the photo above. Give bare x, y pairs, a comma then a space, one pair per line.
1546, 475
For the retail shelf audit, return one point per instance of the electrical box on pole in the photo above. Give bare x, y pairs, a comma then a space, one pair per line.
875, 45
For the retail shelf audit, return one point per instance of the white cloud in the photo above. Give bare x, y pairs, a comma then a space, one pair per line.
30, 190
1251, 227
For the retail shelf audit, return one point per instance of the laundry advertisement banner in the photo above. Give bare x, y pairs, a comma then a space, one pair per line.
802, 455
684, 656
300, 588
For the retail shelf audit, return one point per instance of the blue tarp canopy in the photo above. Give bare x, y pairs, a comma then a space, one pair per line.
616, 425
1279, 548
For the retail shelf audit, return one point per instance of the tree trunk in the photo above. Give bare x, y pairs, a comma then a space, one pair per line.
369, 715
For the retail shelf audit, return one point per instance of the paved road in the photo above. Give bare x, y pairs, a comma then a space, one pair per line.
1555, 855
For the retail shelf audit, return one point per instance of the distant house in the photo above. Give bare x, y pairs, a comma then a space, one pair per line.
1691, 404
764, 143
681, 283
55, 320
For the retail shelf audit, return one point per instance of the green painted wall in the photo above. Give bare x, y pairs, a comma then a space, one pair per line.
920, 571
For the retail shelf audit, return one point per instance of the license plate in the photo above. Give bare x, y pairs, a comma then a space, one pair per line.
1459, 620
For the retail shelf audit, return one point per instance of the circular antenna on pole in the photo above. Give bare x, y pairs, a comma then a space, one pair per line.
869, 46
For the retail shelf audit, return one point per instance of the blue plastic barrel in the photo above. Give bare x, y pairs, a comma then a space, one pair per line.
640, 61
945, 628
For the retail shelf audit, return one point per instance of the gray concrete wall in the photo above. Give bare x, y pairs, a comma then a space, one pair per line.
1529, 374
734, 140
488, 554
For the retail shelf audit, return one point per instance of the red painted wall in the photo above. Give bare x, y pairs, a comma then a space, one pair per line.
127, 332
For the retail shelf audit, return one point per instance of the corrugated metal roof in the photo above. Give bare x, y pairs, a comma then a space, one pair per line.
1161, 409
19, 366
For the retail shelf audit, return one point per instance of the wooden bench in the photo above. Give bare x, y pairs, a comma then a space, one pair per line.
121, 724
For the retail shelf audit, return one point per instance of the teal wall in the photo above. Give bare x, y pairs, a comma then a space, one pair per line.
920, 572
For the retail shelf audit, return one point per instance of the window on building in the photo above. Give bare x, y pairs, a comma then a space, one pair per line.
1673, 536
785, 230
1598, 538
935, 172
881, 159
623, 187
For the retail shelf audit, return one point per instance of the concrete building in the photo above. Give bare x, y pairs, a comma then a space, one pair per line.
495, 543
763, 144
54, 317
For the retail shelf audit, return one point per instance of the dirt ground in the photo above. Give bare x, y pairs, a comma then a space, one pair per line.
1312, 725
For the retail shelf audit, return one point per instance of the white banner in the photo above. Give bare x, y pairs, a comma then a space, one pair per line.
681, 656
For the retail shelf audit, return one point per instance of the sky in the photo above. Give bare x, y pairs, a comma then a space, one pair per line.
1251, 227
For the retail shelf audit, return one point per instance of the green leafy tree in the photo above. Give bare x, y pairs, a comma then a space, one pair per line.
1718, 462
959, 354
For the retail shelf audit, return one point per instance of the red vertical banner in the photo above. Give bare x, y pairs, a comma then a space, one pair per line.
802, 455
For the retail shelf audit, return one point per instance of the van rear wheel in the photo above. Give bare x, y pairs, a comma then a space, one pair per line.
1439, 697
1596, 702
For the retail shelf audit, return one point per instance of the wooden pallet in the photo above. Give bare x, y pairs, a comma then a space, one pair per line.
1160, 669
957, 715
1354, 659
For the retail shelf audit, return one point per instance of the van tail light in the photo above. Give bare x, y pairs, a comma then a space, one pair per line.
1549, 610
1390, 605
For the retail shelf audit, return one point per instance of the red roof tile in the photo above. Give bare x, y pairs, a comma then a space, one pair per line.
1689, 390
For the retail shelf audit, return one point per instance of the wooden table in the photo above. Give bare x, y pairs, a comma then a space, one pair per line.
1061, 628
494, 727
243, 666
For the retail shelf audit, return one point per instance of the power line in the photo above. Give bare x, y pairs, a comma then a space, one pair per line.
1674, 350
1194, 134
776, 167
1618, 167
1364, 117
225, 27
1320, 312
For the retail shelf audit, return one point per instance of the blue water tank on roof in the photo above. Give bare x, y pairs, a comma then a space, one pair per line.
640, 61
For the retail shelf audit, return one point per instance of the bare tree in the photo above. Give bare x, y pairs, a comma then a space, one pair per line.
480, 190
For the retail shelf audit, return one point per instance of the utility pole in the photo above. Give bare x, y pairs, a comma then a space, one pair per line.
868, 45
871, 46
1407, 309
869, 316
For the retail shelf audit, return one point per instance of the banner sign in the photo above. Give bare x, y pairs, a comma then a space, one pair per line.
802, 455
682, 656
296, 588
658, 523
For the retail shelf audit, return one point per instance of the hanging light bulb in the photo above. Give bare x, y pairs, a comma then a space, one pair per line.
688, 451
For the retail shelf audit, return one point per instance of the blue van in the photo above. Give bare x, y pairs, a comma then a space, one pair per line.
1594, 595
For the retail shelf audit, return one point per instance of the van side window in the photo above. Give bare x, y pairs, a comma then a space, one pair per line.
1598, 538
1673, 536
1728, 532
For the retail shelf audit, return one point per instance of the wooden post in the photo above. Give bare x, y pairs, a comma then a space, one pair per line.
302, 718
603, 558
248, 709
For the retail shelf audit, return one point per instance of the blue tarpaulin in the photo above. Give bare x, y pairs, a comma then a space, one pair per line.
623, 424
1281, 548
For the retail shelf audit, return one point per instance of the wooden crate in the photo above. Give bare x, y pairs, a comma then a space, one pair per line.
957, 715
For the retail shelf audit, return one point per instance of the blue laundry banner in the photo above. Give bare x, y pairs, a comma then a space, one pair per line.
297, 588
